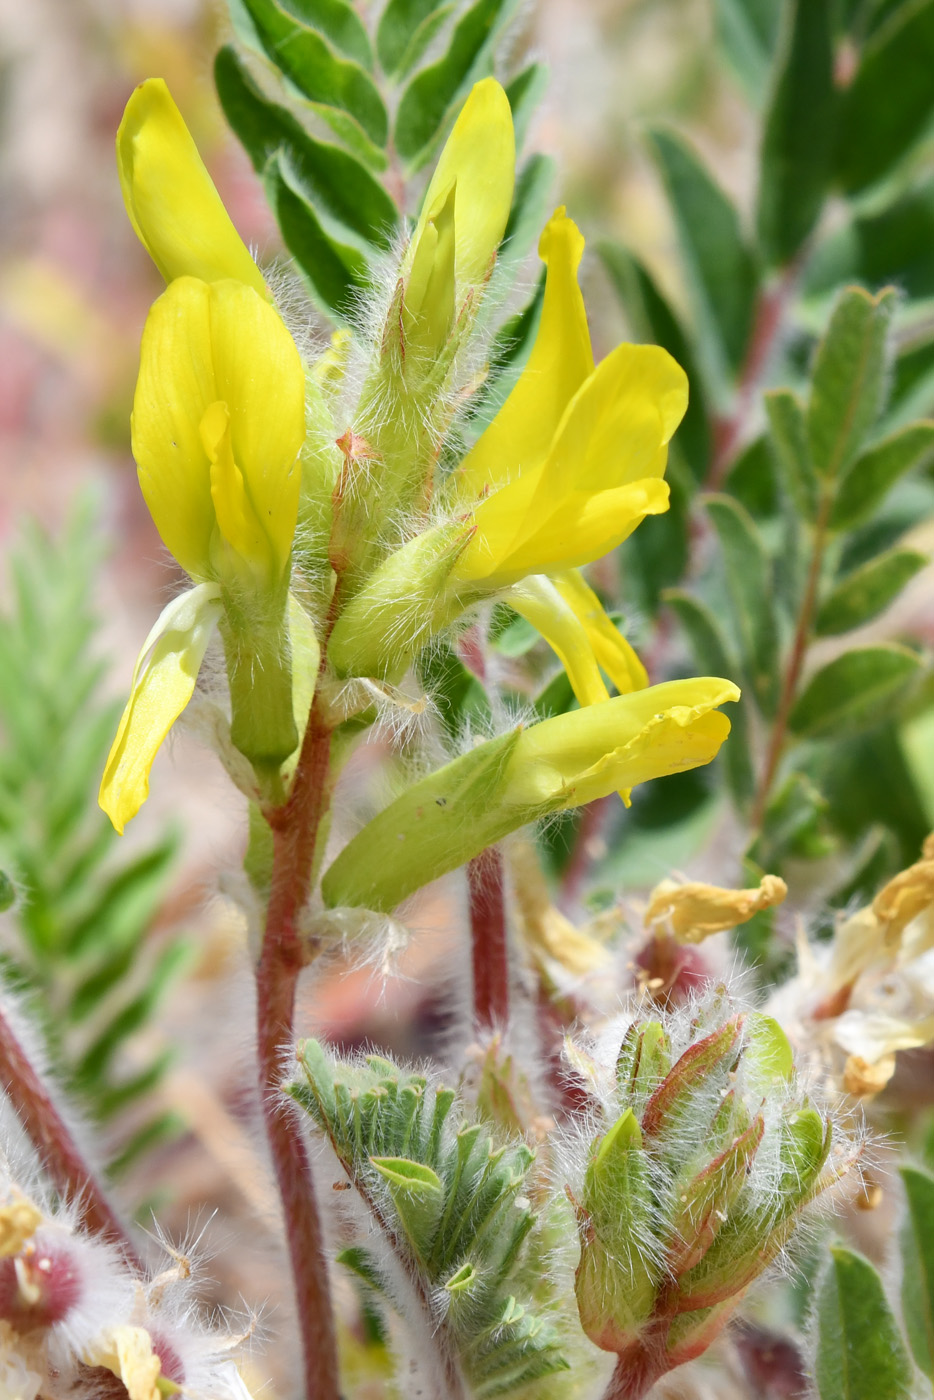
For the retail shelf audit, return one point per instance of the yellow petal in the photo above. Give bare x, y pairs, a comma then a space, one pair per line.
601, 476
520, 435
539, 602
620, 421
514, 539
585, 754
128, 1353
609, 646
548, 934
862, 1079
237, 521
203, 345
692, 911
163, 681
480, 155
170, 197
428, 306
19, 1221
905, 896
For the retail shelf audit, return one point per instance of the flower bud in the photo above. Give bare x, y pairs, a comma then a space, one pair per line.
617, 1278
698, 1184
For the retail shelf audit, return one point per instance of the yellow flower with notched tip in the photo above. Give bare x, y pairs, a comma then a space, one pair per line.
170, 197
567, 469
218, 423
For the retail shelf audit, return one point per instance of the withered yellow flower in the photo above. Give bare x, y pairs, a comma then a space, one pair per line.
692, 911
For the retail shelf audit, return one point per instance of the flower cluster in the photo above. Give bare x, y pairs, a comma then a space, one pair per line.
331, 530
73, 1314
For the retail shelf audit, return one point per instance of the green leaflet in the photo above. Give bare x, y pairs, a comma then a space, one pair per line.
530, 208
338, 22
791, 451
525, 92
427, 101
860, 1352
399, 24
848, 380
748, 31
350, 203
311, 66
77, 938
713, 657
890, 100
454, 1204
333, 273
891, 244
854, 691
723, 275
869, 479
918, 1266
867, 591
797, 144
749, 579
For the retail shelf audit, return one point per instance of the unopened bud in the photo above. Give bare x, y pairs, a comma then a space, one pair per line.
643, 1062
616, 1279
703, 1064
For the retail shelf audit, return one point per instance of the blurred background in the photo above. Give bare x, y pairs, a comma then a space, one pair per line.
75, 288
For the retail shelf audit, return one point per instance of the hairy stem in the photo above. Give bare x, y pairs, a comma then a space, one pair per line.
490, 948
639, 1366
55, 1146
295, 828
589, 836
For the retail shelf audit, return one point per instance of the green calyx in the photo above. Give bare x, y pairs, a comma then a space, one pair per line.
677, 1219
257, 650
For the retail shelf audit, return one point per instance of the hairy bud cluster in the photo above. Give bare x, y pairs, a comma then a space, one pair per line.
710, 1153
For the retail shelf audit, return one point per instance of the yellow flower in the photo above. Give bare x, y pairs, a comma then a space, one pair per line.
218, 423
463, 218
585, 754
453, 814
170, 197
568, 468
478, 163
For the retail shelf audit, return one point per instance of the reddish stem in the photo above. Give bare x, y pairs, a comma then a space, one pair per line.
640, 1365
55, 1145
799, 649
486, 880
589, 832
295, 828
767, 323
